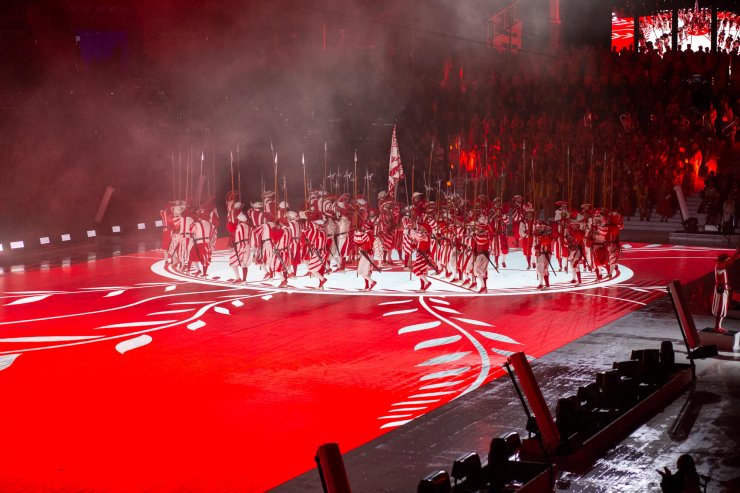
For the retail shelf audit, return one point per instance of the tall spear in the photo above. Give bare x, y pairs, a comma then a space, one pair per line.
459, 156
179, 174
534, 192
413, 163
187, 178
431, 156
485, 162
368, 177
174, 188
611, 189
592, 175
238, 173
567, 176
285, 189
213, 166
276, 178
524, 168
354, 195
603, 181
305, 190
231, 165
200, 177
325, 171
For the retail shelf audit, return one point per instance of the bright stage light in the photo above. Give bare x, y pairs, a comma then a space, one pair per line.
116, 229
1, 247
158, 223
142, 225
44, 241
16, 244
91, 233
66, 237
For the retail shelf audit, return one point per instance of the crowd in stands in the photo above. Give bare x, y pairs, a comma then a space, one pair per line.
616, 129
655, 121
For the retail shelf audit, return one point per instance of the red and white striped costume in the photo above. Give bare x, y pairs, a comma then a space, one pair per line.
386, 228
297, 245
499, 239
280, 239
517, 216
317, 242
559, 235
421, 266
167, 224
482, 240
201, 251
721, 295
343, 237
526, 239
364, 241
240, 255
215, 220
407, 244
185, 242
466, 255
543, 250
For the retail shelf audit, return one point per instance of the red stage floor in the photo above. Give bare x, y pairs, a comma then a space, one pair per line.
118, 375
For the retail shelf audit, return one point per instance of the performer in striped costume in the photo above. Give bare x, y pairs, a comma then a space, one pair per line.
280, 259
526, 235
316, 242
201, 250
576, 246
363, 238
614, 224
240, 251
722, 291
297, 245
559, 234
422, 261
500, 241
168, 223
543, 250
466, 258
482, 243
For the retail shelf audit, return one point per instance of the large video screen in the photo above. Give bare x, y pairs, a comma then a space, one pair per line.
694, 29
623, 32
728, 31
655, 30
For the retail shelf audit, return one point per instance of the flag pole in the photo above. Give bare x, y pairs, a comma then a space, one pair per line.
200, 176
231, 166
174, 187
277, 196
325, 171
524, 168
431, 156
238, 173
354, 195
305, 190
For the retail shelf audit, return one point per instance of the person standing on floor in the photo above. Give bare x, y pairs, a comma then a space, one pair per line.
722, 293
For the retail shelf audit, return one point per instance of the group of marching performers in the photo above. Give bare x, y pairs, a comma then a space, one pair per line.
455, 239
